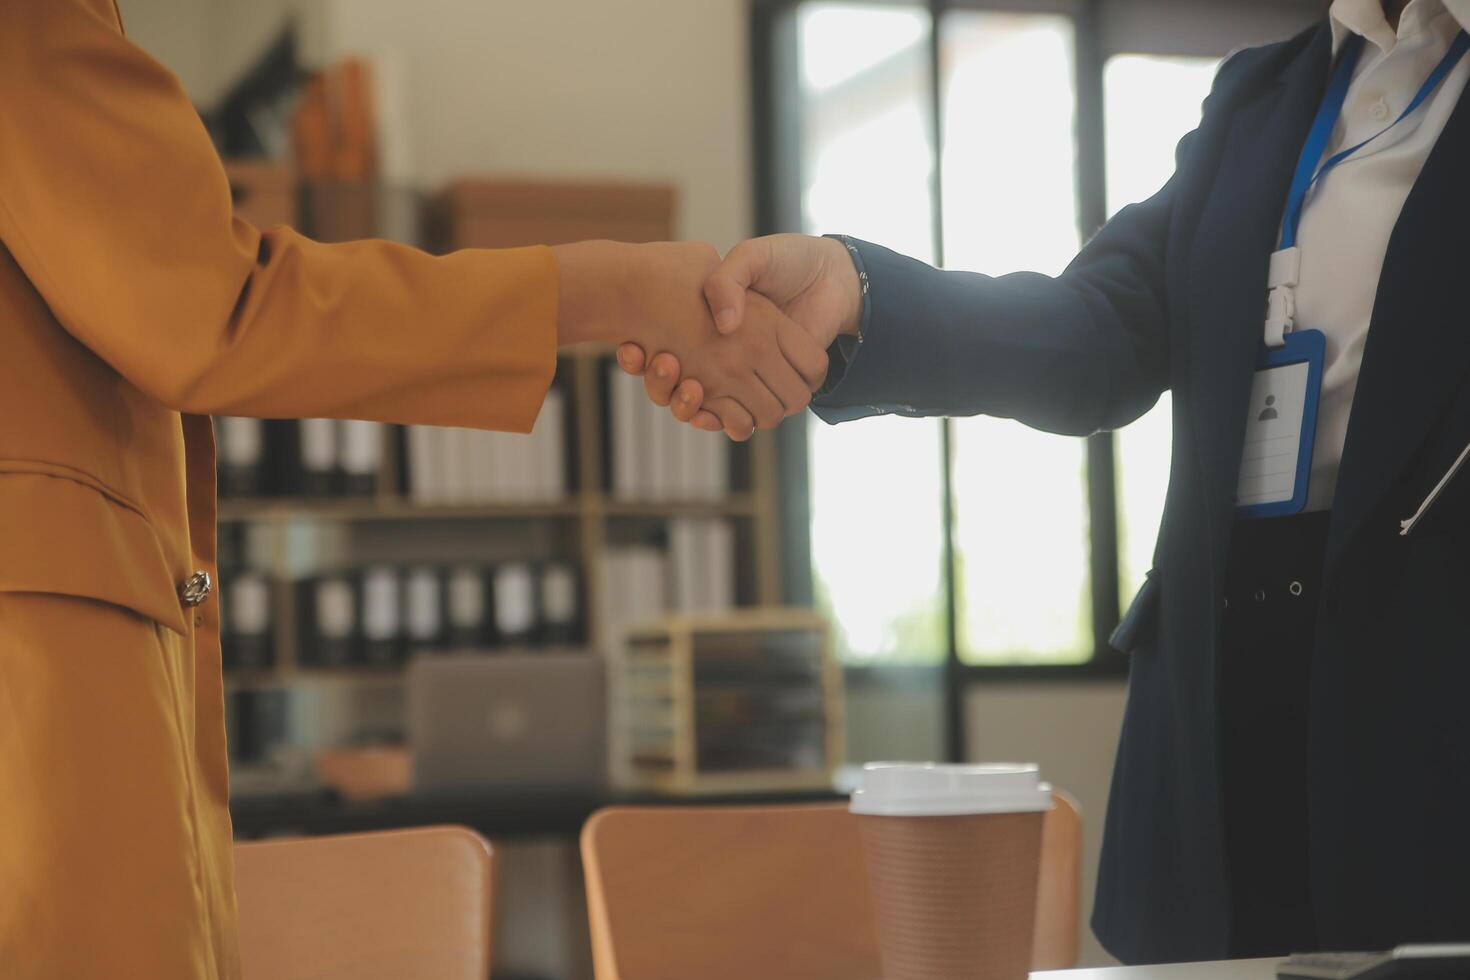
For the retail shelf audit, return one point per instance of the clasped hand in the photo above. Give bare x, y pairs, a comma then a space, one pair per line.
777, 304
653, 297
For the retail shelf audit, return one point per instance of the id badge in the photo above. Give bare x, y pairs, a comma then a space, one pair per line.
1281, 426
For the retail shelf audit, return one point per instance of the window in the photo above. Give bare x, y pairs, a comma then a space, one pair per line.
991, 140
1150, 102
864, 82
1010, 204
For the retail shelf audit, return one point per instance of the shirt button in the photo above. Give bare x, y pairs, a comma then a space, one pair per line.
1378, 110
196, 589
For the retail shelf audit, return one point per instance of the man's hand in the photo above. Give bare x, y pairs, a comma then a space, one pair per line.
651, 296
812, 280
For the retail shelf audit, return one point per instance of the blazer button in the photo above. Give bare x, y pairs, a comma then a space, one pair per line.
196, 588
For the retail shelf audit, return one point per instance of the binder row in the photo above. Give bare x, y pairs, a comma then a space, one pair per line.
650, 456
309, 457
461, 466
695, 574
655, 458
381, 614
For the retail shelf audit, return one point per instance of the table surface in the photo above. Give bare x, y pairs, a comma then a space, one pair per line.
1230, 970
494, 814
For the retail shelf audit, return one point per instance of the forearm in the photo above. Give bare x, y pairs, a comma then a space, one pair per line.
1068, 355
366, 329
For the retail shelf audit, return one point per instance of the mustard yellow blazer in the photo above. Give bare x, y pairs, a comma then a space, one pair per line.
133, 305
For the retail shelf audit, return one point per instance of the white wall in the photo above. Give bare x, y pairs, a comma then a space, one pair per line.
638, 89
645, 89
176, 32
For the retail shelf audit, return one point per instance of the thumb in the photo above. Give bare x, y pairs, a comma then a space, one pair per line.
725, 288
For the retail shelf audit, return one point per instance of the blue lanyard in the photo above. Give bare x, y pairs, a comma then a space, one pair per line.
1307, 171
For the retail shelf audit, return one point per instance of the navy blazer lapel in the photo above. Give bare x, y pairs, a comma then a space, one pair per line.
1238, 230
1418, 346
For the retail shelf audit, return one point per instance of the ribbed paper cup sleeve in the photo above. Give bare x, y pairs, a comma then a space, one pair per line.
954, 896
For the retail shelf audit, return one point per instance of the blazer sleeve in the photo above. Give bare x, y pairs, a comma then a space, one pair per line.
1084, 351
115, 206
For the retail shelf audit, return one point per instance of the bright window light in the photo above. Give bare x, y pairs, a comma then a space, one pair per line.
840, 41
867, 144
877, 541
1021, 518
876, 485
1151, 102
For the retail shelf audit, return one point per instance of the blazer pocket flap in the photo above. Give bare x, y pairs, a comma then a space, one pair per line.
65, 537
1137, 625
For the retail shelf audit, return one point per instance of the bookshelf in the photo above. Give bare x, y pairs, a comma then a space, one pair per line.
288, 538
278, 535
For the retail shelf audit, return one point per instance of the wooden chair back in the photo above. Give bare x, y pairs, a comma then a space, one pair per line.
729, 893
1059, 890
380, 906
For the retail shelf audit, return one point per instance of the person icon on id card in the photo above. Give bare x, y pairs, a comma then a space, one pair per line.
1269, 412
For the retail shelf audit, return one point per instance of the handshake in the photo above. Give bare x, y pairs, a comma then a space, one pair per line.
730, 345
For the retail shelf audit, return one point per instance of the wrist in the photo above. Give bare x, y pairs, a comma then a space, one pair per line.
844, 265
592, 291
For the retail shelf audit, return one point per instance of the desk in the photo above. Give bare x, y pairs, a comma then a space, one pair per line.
495, 815
1231, 970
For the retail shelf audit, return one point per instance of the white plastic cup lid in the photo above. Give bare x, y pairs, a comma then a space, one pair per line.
928, 789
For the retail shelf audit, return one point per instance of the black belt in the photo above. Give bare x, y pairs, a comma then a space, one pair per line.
1277, 561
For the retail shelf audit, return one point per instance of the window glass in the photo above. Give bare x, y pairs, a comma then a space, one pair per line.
867, 145
877, 537
867, 169
1021, 519
1150, 102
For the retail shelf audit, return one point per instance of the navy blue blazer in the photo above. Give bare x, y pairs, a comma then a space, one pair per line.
1171, 295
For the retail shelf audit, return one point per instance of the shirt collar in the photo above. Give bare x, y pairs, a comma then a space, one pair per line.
1365, 17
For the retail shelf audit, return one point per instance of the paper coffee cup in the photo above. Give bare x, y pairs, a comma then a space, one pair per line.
954, 853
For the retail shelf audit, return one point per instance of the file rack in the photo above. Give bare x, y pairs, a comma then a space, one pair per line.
728, 704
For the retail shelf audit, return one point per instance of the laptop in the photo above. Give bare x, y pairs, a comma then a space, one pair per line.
517, 722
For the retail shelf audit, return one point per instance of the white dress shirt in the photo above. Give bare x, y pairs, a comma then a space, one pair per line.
1350, 213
